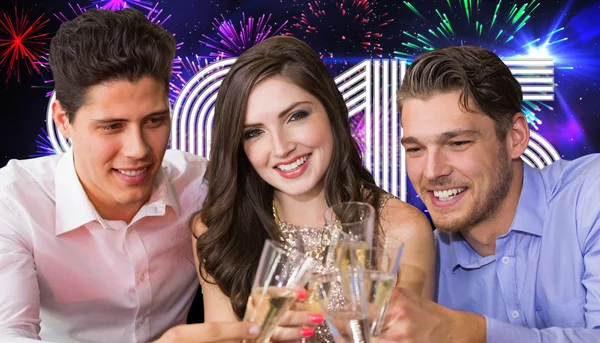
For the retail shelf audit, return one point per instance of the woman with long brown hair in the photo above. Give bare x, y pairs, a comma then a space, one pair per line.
282, 153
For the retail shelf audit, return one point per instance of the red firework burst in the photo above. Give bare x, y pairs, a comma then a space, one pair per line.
341, 26
20, 41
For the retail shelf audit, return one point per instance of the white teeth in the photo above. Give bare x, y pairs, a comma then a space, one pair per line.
132, 173
448, 194
297, 163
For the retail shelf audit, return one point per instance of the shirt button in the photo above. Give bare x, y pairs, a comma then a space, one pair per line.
505, 260
142, 276
515, 314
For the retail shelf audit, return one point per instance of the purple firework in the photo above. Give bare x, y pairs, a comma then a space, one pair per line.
231, 42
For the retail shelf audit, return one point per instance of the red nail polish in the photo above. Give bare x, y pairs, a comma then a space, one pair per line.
302, 295
316, 319
307, 332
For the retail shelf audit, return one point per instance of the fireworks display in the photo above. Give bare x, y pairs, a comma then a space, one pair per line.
115, 5
76, 9
43, 145
231, 42
481, 22
338, 29
21, 41
183, 70
154, 15
344, 33
496, 25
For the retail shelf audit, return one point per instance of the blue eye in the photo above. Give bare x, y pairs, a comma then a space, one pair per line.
299, 115
252, 133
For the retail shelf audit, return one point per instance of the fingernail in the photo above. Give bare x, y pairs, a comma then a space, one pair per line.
307, 332
302, 295
254, 330
316, 319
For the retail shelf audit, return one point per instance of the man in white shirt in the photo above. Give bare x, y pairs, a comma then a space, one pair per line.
94, 243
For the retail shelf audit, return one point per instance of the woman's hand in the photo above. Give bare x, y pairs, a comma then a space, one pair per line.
297, 322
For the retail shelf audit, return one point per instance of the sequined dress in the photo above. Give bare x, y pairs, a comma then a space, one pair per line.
312, 239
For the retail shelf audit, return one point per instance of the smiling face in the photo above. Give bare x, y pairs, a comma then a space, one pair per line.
287, 137
460, 169
119, 137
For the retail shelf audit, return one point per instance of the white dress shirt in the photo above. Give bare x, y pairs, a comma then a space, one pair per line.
67, 275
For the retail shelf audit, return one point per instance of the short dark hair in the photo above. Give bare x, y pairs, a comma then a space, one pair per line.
477, 72
101, 46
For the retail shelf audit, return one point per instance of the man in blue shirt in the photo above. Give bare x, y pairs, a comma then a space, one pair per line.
518, 247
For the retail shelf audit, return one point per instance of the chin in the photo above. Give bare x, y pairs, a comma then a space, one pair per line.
446, 224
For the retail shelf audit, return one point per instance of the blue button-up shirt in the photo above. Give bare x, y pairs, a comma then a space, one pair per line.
543, 283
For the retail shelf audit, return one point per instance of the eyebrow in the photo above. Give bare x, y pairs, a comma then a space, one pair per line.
120, 120
443, 137
282, 113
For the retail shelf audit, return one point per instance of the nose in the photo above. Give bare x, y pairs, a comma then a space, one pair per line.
282, 144
436, 165
135, 145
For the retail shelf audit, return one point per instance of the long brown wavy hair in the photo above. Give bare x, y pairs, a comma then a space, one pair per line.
237, 210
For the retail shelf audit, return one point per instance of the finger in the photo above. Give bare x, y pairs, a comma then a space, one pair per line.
291, 334
302, 295
300, 318
210, 332
398, 331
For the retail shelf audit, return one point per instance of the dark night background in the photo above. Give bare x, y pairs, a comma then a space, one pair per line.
344, 32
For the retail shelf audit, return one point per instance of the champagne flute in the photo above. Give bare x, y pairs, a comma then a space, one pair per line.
321, 244
344, 300
381, 265
357, 220
280, 274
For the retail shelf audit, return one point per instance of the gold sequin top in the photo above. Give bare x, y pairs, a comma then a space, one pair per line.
314, 246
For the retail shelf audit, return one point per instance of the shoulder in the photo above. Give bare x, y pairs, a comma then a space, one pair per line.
565, 174
403, 220
28, 170
575, 181
572, 187
27, 189
29, 182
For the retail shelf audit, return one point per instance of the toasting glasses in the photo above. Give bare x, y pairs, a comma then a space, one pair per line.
281, 274
367, 272
381, 264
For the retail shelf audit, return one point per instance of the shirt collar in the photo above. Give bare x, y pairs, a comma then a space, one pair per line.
461, 254
163, 195
74, 209
533, 203
528, 218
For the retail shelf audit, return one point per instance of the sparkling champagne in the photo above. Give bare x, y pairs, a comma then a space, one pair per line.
378, 288
266, 307
352, 251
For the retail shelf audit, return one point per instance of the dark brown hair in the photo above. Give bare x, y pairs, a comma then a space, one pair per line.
237, 211
101, 46
477, 72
